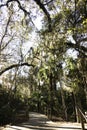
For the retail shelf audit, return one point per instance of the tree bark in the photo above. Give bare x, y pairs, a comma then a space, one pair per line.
85, 88
76, 109
63, 102
51, 96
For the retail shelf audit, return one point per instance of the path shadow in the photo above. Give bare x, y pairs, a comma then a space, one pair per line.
39, 125
41, 122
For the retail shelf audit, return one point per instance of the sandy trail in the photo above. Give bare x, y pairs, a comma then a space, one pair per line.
41, 122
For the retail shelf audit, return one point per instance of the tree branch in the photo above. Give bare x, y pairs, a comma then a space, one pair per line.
38, 2
2, 5
20, 6
78, 48
48, 2
14, 66
6, 44
24, 10
6, 29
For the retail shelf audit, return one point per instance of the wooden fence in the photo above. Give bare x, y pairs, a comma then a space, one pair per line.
83, 118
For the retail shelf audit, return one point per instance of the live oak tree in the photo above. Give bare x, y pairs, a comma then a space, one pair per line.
74, 17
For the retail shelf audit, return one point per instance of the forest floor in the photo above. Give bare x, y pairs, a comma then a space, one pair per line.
41, 122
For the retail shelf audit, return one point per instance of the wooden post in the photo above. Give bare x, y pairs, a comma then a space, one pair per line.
81, 118
82, 122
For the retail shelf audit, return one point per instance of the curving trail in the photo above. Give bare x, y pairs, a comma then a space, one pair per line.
41, 122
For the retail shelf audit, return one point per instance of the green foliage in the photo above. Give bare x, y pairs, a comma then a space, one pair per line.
9, 105
6, 114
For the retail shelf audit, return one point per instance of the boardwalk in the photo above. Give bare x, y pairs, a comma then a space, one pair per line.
41, 122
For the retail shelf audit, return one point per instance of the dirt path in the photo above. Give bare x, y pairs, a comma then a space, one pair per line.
40, 122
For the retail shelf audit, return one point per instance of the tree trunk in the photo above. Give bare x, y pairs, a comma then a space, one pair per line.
63, 102
85, 87
74, 106
76, 110
51, 99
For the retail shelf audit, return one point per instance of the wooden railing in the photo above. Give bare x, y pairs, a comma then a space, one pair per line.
83, 118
